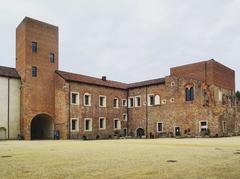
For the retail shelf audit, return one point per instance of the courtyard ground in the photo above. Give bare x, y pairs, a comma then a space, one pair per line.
156, 158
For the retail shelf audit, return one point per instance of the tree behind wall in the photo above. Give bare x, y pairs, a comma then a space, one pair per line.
238, 96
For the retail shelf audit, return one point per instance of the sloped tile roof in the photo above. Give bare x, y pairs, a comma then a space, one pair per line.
9, 72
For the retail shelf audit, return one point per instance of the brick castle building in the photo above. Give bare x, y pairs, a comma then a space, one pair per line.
39, 101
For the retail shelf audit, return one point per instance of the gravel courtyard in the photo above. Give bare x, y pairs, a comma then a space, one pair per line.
156, 158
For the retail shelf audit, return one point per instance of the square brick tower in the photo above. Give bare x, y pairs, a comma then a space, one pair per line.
36, 62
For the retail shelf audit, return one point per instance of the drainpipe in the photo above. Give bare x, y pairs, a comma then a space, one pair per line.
8, 106
146, 112
127, 111
69, 112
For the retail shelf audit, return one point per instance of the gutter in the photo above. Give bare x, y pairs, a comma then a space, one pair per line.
146, 112
8, 107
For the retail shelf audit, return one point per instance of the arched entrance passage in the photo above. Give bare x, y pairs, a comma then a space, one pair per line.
42, 127
140, 132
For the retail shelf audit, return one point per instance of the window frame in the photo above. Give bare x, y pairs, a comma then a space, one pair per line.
125, 102
34, 47
34, 71
77, 98
89, 99
149, 101
118, 124
104, 124
77, 124
90, 127
136, 101
125, 118
129, 102
117, 102
52, 57
104, 101
158, 127
200, 126
189, 94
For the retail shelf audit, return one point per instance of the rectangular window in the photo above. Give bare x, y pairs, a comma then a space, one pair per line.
203, 126
159, 127
75, 98
52, 60
74, 125
130, 102
34, 47
125, 117
34, 71
102, 123
138, 101
88, 124
117, 124
87, 100
116, 103
151, 100
124, 102
102, 101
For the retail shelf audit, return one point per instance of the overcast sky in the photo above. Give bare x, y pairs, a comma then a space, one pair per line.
130, 40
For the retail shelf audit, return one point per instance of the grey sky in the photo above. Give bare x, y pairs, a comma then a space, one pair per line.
130, 40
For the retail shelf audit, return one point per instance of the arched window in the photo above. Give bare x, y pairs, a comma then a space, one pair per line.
116, 103
157, 100
189, 94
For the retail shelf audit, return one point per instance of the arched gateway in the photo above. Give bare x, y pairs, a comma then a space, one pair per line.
42, 127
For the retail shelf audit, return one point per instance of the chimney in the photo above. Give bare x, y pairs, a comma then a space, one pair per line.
104, 78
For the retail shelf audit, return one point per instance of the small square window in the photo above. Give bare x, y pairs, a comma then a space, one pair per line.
34, 47
52, 60
172, 100
34, 71
173, 84
164, 101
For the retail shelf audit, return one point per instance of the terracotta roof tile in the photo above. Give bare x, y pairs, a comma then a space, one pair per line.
9, 72
108, 83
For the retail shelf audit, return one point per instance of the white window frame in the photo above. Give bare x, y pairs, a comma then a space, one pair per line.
90, 127
200, 127
164, 101
125, 118
173, 83
172, 100
104, 125
148, 99
77, 100
155, 100
220, 96
117, 104
77, 124
129, 102
118, 124
84, 102
104, 101
157, 127
123, 102
136, 102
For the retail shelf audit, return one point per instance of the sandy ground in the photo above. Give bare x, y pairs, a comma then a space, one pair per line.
189, 158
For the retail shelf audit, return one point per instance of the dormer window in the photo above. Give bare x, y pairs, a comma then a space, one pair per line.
34, 47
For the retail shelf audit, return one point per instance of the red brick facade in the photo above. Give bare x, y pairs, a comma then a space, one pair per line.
47, 98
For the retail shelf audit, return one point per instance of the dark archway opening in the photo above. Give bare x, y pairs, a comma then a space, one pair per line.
42, 127
140, 132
